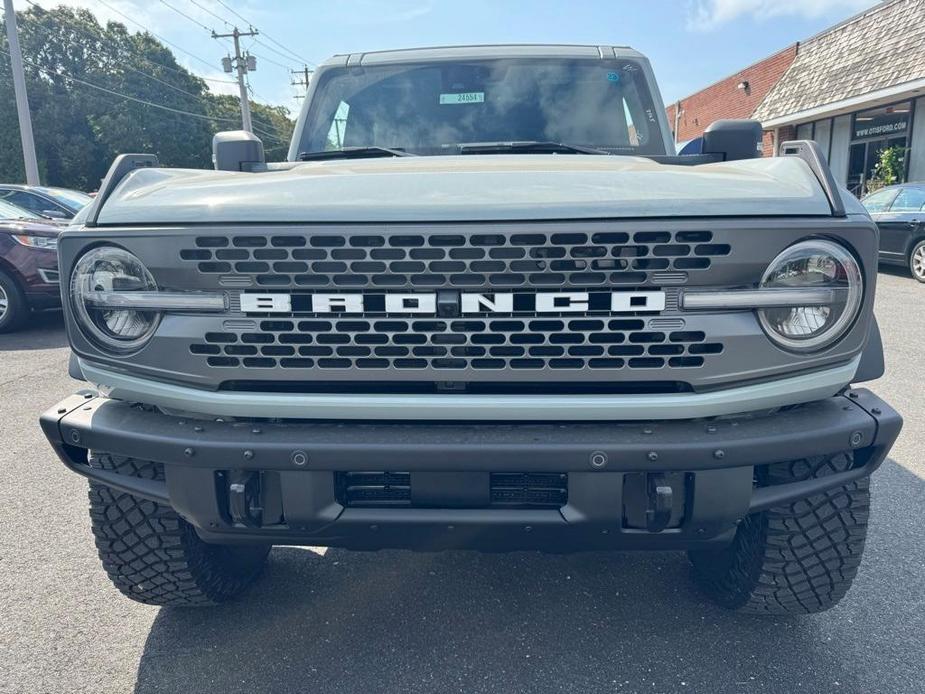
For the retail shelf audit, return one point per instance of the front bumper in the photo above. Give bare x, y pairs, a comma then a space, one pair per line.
611, 469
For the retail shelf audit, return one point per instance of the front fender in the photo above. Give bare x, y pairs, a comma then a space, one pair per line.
872, 365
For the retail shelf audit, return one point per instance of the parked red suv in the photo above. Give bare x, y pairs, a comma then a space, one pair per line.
28, 265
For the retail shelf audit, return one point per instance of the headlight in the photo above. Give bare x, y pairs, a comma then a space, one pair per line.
48, 242
103, 271
813, 264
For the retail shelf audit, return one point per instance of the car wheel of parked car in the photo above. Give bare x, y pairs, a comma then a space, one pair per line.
155, 557
917, 261
13, 308
797, 558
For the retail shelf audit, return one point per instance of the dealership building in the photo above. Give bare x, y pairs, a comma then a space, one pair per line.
856, 89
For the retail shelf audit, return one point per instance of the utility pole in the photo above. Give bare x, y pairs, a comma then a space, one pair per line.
301, 79
22, 100
242, 64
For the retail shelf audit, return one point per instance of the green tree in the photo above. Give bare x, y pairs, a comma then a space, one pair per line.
79, 128
889, 168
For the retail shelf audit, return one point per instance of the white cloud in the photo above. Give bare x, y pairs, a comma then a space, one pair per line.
704, 15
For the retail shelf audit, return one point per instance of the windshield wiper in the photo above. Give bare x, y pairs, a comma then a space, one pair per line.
526, 147
354, 153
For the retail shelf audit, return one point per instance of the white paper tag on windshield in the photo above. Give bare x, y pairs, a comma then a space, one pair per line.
463, 98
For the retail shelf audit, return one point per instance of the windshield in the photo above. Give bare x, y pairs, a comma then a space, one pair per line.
74, 200
432, 108
10, 211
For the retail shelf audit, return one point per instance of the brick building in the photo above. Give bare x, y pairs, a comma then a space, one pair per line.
737, 96
856, 88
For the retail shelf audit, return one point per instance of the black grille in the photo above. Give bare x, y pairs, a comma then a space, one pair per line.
374, 488
463, 260
598, 343
529, 489
507, 489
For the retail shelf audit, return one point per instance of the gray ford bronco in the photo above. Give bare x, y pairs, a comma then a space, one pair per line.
482, 305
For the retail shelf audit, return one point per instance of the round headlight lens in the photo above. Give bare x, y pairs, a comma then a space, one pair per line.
813, 264
101, 271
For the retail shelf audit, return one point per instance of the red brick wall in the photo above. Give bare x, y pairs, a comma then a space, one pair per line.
768, 145
785, 134
725, 100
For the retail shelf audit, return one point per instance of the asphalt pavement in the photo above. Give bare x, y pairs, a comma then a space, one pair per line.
338, 621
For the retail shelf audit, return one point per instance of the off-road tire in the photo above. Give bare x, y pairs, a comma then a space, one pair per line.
797, 558
917, 262
155, 557
15, 308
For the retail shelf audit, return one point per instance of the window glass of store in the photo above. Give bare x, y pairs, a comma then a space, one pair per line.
874, 131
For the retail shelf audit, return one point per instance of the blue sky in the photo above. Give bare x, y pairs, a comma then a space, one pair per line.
691, 42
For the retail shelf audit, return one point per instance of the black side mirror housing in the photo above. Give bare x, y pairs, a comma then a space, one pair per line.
733, 139
237, 150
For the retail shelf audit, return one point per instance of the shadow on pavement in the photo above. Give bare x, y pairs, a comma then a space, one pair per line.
464, 621
42, 330
899, 271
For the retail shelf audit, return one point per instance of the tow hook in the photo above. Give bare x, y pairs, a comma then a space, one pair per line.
658, 510
244, 498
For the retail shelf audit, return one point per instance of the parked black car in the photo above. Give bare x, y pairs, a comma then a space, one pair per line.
51, 203
28, 265
899, 212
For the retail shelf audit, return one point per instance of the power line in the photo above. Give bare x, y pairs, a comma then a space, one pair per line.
295, 55
271, 61
233, 11
277, 52
127, 67
198, 97
135, 99
211, 13
224, 21
100, 37
169, 43
183, 14
265, 34
280, 137
191, 19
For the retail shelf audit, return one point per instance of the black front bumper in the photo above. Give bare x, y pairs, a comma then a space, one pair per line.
612, 469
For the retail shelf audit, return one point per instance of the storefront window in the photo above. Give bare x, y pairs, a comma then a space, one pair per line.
805, 131
874, 131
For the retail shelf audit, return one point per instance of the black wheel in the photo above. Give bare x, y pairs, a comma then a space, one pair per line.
155, 557
13, 307
798, 558
917, 261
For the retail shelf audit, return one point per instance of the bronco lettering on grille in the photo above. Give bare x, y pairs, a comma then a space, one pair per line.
454, 303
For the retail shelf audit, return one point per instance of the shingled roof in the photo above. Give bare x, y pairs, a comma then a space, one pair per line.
880, 48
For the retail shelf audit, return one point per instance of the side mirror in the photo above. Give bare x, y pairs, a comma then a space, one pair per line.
237, 150
54, 214
733, 139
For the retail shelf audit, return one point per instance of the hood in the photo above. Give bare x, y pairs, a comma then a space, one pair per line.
16, 226
468, 188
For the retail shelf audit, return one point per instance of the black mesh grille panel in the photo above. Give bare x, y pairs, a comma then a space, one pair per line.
485, 344
431, 260
513, 490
